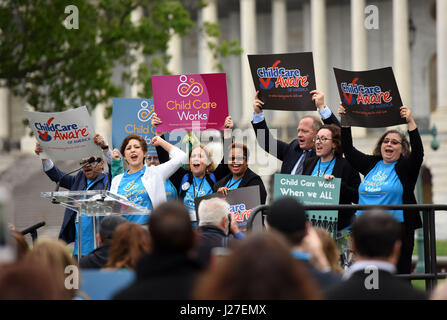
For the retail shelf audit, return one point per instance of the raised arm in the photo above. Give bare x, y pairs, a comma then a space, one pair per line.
263, 134
417, 148
178, 157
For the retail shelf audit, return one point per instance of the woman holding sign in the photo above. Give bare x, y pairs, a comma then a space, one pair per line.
329, 163
141, 184
390, 174
240, 176
201, 174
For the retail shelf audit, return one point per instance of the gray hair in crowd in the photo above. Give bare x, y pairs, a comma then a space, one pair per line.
212, 211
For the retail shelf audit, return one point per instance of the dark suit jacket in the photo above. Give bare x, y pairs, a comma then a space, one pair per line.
162, 276
389, 288
288, 153
249, 179
407, 169
350, 180
76, 182
97, 259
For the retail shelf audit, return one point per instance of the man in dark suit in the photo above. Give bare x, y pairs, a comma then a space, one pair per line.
376, 243
287, 216
294, 153
215, 229
168, 272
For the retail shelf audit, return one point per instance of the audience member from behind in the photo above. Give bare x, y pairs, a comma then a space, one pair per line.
214, 228
168, 272
20, 244
287, 216
330, 250
29, 280
129, 243
376, 244
271, 273
98, 258
54, 256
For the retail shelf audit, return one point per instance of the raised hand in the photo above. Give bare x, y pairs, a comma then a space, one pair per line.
116, 154
318, 99
257, 103
228, 123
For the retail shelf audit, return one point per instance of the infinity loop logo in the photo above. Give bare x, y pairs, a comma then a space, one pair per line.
185, 89
145, 113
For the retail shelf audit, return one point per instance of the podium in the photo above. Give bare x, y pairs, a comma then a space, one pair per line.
94, 203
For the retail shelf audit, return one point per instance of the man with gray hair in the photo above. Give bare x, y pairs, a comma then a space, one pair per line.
217, 228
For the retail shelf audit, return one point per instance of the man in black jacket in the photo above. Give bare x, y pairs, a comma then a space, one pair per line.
168, 272
294, 153
97, 259
375, 237
288, 217
214, 226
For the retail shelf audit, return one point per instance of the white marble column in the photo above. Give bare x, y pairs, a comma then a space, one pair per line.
359, 53
175, 64
439, 117
319, 47
307, 33
401, 50
135, 17
248, 43
207, 62
4, 114
279, 31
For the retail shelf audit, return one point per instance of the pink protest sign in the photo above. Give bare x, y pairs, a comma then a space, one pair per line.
192, 102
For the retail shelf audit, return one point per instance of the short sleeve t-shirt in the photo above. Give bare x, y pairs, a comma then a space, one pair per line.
131, 187
233, 184
323, 167
199, 188
382, 186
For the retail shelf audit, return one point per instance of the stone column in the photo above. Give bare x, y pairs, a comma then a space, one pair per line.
401, 50
207, 63
135, 17
248, 43
439, 117
4, 115
359, 54
318, 25
279, 31
175, 64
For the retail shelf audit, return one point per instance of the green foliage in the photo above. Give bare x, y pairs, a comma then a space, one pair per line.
54, 68
221, 48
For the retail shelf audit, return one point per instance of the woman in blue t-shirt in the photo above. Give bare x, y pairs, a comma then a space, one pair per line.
390, 176
329, 163
141, 184
200, 174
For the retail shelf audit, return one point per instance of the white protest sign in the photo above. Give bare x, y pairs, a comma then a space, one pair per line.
66, 135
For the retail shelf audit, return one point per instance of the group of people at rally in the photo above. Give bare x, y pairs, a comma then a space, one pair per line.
322, 148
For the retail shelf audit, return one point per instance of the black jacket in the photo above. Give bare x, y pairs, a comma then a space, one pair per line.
97, 259
389, 288
211, 237
407, 169
249, 179
350, 180
288, 153
162, 276
76, 182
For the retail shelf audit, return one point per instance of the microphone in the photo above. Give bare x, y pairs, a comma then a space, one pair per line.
89, 161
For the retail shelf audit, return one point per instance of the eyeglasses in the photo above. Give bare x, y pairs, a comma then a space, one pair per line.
393, 142
84, 162
237, 159
322, 139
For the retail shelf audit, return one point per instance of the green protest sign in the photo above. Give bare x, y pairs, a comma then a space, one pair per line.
311, 190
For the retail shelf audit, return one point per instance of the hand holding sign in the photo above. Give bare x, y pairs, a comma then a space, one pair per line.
257, 103
318, 99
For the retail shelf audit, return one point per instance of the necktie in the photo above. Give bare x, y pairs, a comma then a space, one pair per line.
299, 170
